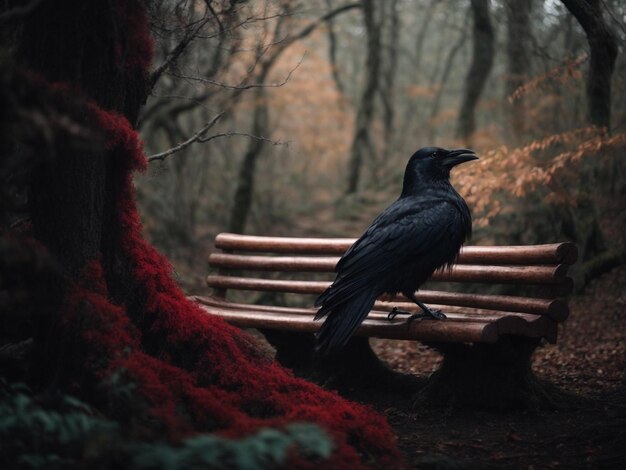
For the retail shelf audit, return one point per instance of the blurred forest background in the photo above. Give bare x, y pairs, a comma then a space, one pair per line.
297, 118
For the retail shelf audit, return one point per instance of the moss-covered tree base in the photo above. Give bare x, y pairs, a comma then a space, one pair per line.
491, 376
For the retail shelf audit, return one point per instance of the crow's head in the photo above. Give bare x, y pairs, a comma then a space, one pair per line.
430, 164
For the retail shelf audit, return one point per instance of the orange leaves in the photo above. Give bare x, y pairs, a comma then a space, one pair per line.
562, 74
550, 167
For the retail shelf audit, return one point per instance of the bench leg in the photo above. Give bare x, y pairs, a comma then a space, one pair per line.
293, 350
356, 365
491, 376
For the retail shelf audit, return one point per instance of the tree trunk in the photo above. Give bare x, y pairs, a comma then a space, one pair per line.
482, 61
361, 142
603, 52
82, 44
434, 110
421, 34
245, 182
332, 51
389, 71
412, 111
517, 61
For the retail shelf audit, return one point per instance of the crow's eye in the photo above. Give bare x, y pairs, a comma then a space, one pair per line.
433, 155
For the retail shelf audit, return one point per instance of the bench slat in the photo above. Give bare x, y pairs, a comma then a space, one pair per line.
554, 253
458, 273
457, 328
556, 309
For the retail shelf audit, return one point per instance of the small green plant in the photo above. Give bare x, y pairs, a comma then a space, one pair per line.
266, 449
65, 433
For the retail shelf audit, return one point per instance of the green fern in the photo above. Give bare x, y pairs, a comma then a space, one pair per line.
72, 434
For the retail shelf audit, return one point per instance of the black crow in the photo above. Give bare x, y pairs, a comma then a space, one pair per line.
422, 231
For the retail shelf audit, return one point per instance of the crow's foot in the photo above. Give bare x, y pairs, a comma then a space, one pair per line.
434, 314
395, 312
426, 313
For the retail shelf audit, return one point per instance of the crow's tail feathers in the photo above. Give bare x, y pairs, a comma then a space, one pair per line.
343, 320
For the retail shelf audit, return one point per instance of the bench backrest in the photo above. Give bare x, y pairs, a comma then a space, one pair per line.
538, 265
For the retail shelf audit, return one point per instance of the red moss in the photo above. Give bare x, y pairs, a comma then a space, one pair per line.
206, 376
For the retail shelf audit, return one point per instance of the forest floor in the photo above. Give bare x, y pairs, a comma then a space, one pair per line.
589, 360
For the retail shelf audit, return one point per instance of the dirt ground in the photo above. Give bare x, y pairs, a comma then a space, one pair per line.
589, 360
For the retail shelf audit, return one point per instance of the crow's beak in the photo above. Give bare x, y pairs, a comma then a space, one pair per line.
457, 156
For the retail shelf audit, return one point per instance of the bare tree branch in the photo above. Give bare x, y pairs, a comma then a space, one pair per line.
177, 51
217, 18
304, 32
247, 21
198, 137
194, 138
241, 87
244, 134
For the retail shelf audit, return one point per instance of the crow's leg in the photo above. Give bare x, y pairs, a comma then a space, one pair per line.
426, 311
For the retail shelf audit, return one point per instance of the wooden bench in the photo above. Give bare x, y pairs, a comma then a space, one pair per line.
304, 267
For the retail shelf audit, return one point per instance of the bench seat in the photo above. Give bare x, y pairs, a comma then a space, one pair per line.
460, 326
244, 263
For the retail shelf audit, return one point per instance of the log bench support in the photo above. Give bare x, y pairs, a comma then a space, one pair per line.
487, 340
491, 376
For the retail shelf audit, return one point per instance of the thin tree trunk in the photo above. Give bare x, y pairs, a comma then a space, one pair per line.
603, 52
245, 181
413, 112
482, 61
362, 140
434, 110
332, 51
422, 33
518, 62
388, 72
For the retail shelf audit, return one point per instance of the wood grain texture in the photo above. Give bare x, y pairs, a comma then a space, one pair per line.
459, 327
554, 253
539, 274
557, 309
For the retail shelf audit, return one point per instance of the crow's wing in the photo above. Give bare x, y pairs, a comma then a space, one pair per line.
407, 229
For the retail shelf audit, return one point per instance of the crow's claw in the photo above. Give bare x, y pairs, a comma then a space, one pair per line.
435, 314
395, 312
